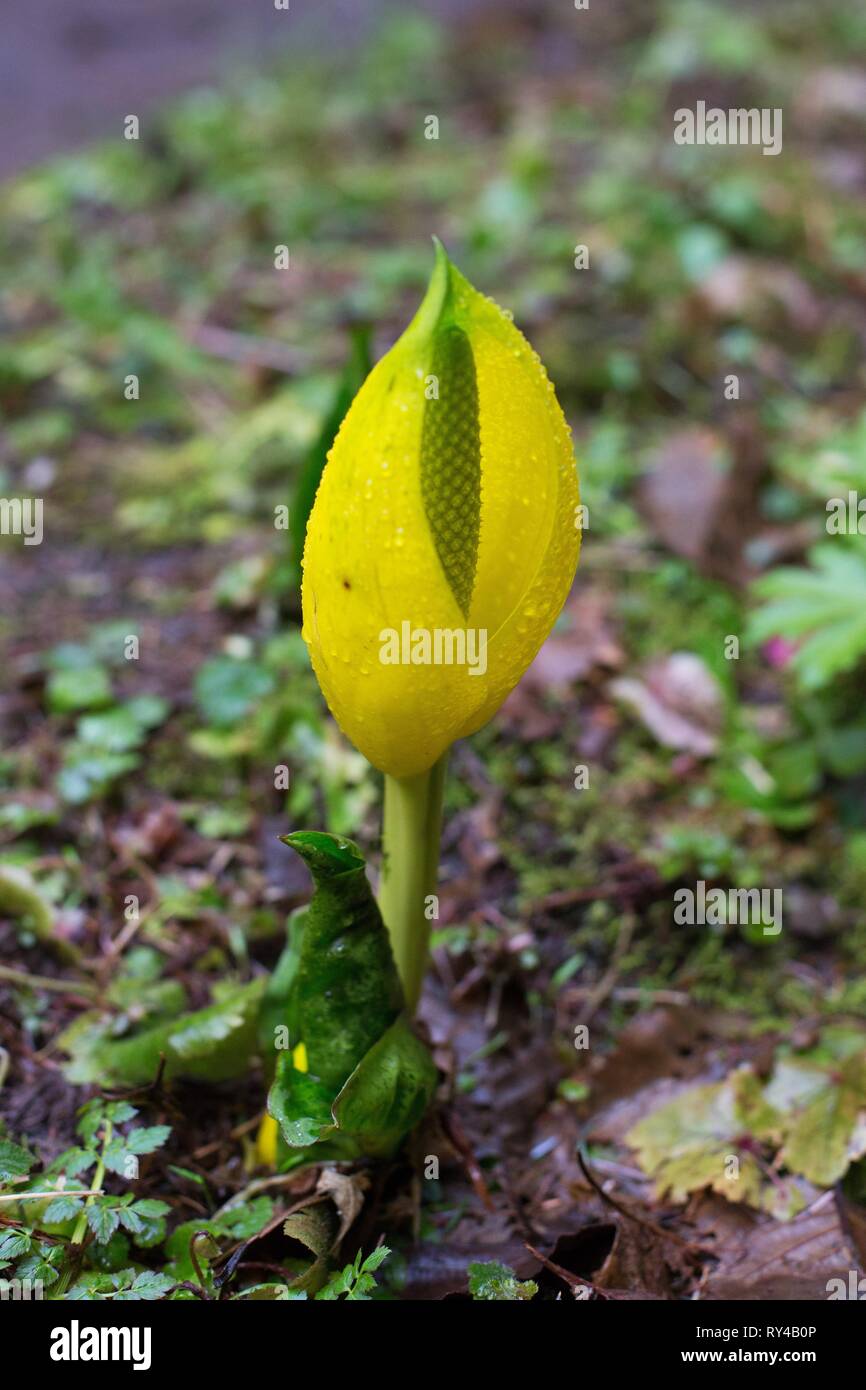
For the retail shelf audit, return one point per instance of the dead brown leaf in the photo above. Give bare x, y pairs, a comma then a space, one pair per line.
679, 701
683, 489
764, 1259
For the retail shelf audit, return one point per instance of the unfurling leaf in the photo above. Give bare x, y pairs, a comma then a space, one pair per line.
365, 1078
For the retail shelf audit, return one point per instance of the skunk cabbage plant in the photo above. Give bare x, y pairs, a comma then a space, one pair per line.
441, 546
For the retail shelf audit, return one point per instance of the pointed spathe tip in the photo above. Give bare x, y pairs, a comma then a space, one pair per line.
326, 855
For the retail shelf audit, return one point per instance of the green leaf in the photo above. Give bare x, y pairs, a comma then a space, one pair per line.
823, 1098
356, 1280
212, 1044
103, 1220
383, 1098
93, 1286
488, 1279
62, 1209
356, 370
246, 1218
300, 1104
91, 1118
150, 1233
77, 688
825, 605
148, 710
21, 816
280, 1293
74, 1162
13, 1244
120, 1112
20, 898
34, 1267
115, 731
146, 1141
346, 991
89, 772
111, 1255
226, 689
123, 728
129, 1220
150, 1285
388, 1092
116, 1157
151, 1208
366, 1079
15, 1162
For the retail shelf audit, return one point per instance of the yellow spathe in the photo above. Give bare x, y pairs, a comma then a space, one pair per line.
449, 503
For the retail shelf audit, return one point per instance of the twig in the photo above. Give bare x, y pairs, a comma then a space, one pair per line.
55, 1192
236, 1133
608, 980
625, 994
190, 1288
454, 1130
645, 880
256, 1186
574, 1280
21, 977
233, 1257
630, 1215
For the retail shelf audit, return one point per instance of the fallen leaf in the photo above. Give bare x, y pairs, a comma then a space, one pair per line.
824, 1100
794, 1261
346, 1191
679, 701
683, 489
719, 1136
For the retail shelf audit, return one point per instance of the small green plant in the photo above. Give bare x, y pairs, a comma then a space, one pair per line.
356, 1280
821, 609
68, 1236
109, 735
491, 1281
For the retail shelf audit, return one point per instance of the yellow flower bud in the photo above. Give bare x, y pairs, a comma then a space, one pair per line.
444, 536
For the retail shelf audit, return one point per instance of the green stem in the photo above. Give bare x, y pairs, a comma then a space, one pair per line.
81, 1225
410, 842
74, 1264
